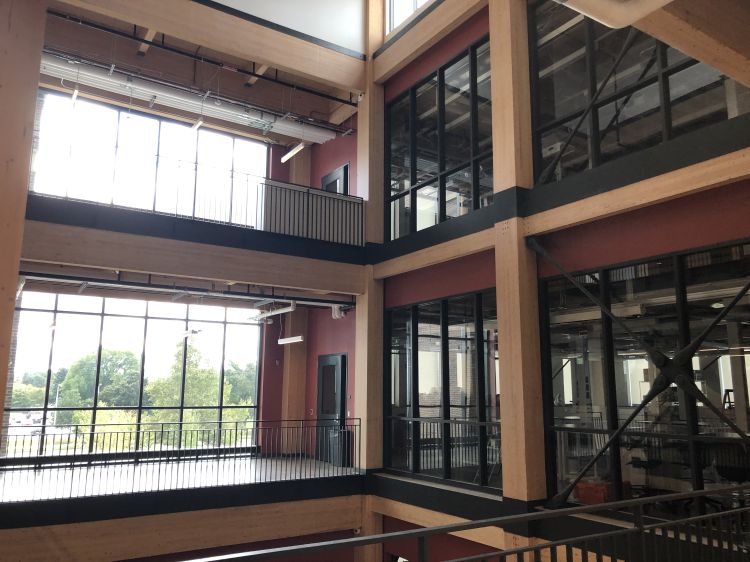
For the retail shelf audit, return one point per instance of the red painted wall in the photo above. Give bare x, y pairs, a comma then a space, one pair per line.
276, 170
271, 373
327, 336
326, 157
450, 46
708, 218
463, 275
440, 547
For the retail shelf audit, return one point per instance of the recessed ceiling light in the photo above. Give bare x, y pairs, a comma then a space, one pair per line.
717, 305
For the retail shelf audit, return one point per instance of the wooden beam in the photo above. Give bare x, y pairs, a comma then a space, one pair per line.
712, 32
710, 174
490, 536
237, 37
423, 36
85, 247
153, 535
148, 36
261, 70
433, 255
512, 156
21, 41
341, 112
368, 370
522, 430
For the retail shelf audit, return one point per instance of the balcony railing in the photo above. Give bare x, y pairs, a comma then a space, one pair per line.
237, 199
711, 525
77, 460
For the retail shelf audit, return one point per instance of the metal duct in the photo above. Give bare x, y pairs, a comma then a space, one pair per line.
615, 13
198, 104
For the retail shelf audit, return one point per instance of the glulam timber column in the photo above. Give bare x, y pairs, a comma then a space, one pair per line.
21, 41
368, 368
522, 428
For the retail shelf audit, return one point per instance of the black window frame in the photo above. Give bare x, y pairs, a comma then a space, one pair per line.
472, 163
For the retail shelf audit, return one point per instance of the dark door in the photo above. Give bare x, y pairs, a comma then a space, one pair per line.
331, 433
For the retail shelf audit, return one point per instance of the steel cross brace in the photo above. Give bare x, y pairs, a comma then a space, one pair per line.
677, 370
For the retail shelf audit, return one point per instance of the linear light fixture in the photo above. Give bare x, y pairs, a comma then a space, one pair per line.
291, 308
292, 152
292, 339
197, 124
111, 80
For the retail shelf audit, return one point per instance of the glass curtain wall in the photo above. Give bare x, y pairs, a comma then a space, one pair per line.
655, 94
439, 145
443, 394
597, 374
94, 152
397, 11
87, 364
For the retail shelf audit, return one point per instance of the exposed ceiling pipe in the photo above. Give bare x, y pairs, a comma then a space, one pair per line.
193, 102
615, 13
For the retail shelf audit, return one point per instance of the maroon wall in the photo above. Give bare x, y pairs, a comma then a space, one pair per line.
708, 218
326, 336
462, 275
276, 170
440, 547
271, 373
326, 157
450, 46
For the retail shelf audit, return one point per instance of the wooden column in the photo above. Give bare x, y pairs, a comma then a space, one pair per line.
368, 373
372, 524
21, 40
299, 167
511, 97
370, 117
522, 427
294, 380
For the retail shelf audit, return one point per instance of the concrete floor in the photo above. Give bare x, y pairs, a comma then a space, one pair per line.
24, 484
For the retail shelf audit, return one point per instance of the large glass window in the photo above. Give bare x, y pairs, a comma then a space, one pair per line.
95, 152
439, 145
654, 94
86, 364
598, 374
397, 11
443, 407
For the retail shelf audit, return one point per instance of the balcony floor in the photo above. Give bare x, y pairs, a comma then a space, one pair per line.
28, 484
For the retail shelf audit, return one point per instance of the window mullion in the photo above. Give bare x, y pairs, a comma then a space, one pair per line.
473, 124
445, 386
441, 143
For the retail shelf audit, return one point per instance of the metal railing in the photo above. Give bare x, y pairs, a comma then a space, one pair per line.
242, 200
76, 460
640, 533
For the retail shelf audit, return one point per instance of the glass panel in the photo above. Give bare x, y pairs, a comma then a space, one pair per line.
250, 162
206, 312
127, 307
644, 296
427, 130
115, 431
238, 427
241, 365
640, 61
30, 363
458, 193
700, 96
576, 155
401, 385
166, 309
400, 10
655, 464
75, 349
399, 143
163, 367
722, 366
120, 372
51, 162
159, 429
630, 124
200, 428
428, 210
429, 376
175, 181
328, 391
574, 450
135, 165
30, 299
457, 136
400, 216
242, 315
214, 181
203, 364
491, 358
561, 61
576, 355
486, 187
484, 99
78, 303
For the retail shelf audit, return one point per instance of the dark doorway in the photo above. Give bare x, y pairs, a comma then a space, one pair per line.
337, 181
332, 440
